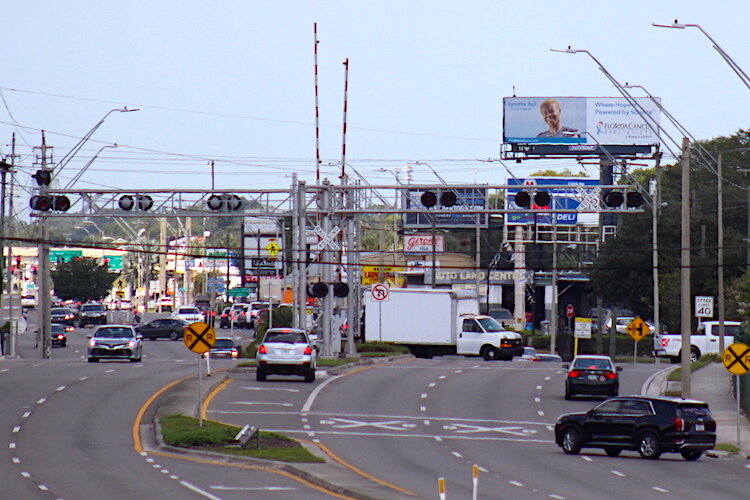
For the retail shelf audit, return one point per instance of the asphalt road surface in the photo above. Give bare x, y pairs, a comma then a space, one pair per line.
408, 424
67, 430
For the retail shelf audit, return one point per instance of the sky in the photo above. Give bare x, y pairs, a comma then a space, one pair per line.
233, 82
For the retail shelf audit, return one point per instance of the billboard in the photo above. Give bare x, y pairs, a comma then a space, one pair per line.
468, 199
561, 198
578, 120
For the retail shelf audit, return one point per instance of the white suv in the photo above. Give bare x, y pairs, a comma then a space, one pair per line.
188, 313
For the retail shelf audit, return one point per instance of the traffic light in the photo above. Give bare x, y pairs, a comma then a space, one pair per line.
320, 290
43, 177
634, 199
42, 203
60, 203
340, 289
143, 201
541, 199
429, 199
230, 202
317, 290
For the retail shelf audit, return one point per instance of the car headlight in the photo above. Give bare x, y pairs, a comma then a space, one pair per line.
132, 343
92, 343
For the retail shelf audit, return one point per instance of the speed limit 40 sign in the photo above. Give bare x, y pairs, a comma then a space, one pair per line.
704, 307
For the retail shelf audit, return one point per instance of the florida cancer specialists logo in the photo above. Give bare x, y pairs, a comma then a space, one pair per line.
622, 128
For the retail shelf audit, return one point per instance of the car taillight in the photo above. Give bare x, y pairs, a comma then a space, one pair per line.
679, 424
262, 349
235, 354
575, 374
308, 350
611, 375
60, 337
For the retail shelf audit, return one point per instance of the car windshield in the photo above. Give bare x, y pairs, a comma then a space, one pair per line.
257, 306
501, 314
61, 310
114, 333
490, 325
92, 307
289, 337
224, 344
592, 363
188, 310
57, 329
529, 351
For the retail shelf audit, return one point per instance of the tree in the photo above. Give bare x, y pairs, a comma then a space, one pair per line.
81, 279
625, 261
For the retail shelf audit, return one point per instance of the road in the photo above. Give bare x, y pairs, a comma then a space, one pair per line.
66, 430
408, 424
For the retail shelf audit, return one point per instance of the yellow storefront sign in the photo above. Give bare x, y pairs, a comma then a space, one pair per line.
371, 275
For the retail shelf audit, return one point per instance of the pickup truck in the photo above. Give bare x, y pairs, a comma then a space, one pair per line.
705, 340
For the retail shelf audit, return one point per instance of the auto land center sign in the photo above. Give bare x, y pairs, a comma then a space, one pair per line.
422, 243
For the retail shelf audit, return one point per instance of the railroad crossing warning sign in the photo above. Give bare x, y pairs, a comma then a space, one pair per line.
637, 328
199, 337
736, 358
379, 292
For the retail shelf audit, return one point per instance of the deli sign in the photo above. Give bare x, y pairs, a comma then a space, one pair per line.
422, 243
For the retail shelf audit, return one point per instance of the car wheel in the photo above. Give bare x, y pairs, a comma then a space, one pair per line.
568, 395
310, 376
489, 353
173, 336
260, 375
648, 445
612, 451
691, 455
93, 360
571, 441
695, 354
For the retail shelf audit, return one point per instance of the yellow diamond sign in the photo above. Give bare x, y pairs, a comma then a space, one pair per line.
637, 328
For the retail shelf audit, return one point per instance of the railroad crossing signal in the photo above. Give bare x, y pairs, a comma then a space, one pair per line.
736, 358
637, 328
199, 337
327, 239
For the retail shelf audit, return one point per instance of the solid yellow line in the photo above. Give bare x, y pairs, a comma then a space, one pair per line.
356, 470
211, 395
139, 417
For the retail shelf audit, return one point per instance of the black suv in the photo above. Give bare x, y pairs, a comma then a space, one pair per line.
651, 426
92, 314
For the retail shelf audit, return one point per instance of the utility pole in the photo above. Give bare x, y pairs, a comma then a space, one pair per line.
187, 258
10, 342
720, 251
162, 261
656, 199
301, 261
685, 325
43, 267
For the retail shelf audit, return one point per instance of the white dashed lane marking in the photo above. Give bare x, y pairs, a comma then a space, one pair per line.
516, 483
539, 388
588, 459
456, 454
41, 401
617, 473
26, 415
537, 400
61, 388
660, 490
17, 429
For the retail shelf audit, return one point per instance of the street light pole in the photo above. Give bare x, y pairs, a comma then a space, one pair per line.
732, 64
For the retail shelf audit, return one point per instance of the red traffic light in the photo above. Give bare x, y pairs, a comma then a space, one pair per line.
41, 203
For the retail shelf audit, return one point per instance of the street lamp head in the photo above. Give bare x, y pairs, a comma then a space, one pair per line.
568, 50
675, 25
125, 109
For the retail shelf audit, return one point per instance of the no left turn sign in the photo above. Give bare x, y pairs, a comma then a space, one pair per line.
379, 292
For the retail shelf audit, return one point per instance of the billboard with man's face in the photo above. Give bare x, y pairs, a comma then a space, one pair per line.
579, 120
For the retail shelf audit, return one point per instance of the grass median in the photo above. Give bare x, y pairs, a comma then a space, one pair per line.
185, 432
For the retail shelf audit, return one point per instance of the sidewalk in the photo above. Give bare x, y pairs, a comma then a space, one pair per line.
712, 385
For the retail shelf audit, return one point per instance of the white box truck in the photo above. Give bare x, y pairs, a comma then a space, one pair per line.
433, 322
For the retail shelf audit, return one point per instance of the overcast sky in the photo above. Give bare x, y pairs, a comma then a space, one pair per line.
232, 81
